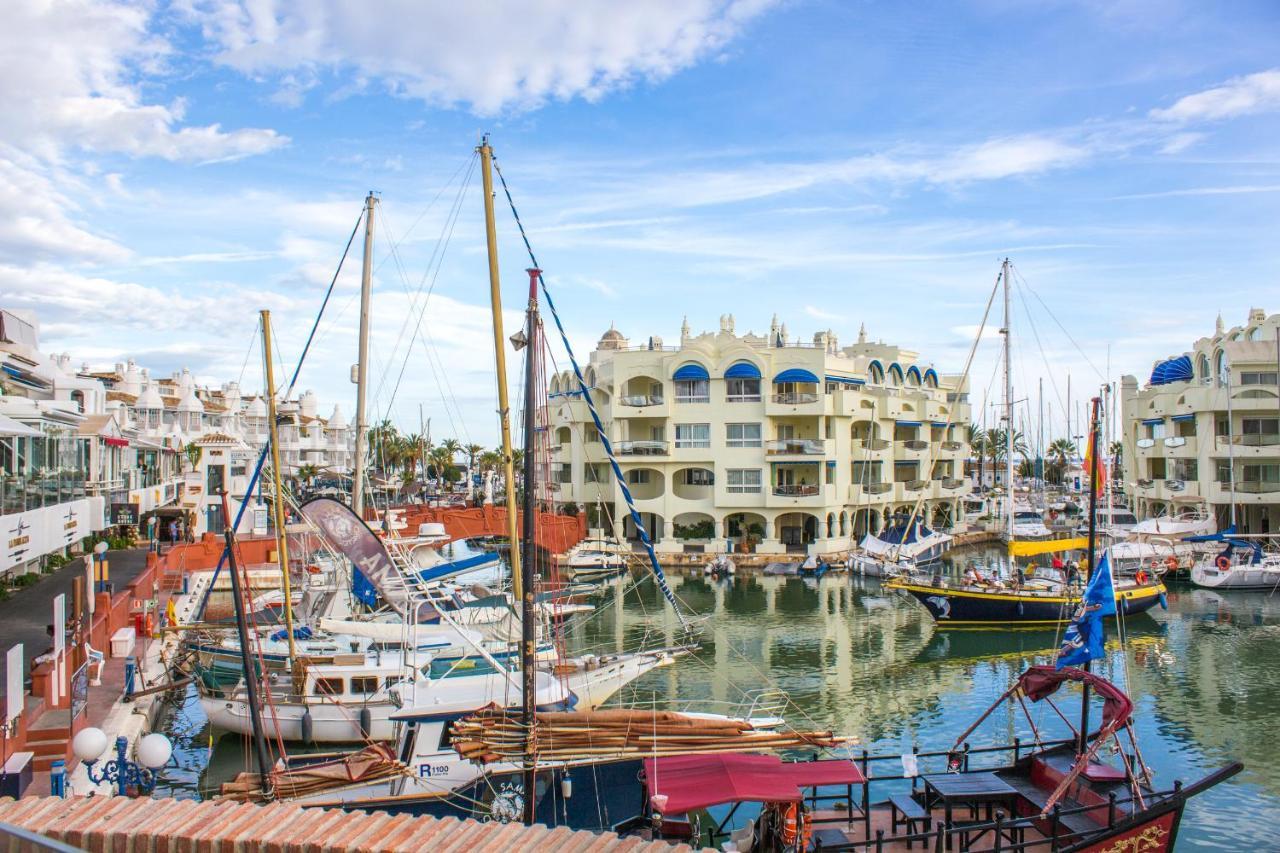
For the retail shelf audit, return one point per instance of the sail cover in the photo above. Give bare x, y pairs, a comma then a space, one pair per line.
347, 532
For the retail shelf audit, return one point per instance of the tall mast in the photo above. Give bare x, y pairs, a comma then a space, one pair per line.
1092, 456
273, 436
528, 623
500, 357
362, 365
1008, 402
1040, 434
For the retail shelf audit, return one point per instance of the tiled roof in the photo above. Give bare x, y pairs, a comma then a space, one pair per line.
144, 826
122, 397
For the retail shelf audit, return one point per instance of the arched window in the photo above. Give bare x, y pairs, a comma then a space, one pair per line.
1220, 370
1202, 369
1253, 334
913, 376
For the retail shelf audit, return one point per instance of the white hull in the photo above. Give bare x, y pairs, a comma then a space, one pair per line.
1264, 576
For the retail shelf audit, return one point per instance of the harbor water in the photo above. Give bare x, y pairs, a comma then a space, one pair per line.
862, 661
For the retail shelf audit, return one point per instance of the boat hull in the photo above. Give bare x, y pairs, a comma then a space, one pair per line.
951, 606
1238, 577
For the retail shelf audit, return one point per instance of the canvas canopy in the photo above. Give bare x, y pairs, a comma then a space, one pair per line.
692, 782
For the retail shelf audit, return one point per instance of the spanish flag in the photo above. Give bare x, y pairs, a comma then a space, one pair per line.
1091, 459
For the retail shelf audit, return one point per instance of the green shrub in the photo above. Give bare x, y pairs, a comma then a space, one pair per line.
29, 579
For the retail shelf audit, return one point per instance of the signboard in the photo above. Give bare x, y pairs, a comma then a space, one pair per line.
259, 518
122, 514
14, 678
24, 536
350, 535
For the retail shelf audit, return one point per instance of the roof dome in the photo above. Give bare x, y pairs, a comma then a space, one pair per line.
149, 398
612, 339
190, 402
337, 420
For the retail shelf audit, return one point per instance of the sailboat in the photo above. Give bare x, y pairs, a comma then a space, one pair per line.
1046, 598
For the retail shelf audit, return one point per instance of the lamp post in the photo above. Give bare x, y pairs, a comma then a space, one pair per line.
100, 557
153, 753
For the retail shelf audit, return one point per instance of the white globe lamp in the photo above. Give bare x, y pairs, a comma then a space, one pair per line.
154, 751
89, 744
101, 548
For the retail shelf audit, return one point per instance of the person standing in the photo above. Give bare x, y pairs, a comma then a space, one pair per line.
173, 532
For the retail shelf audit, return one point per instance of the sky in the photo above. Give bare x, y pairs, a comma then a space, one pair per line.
168, 169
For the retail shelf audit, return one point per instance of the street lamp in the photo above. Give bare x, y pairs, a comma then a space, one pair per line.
153, 752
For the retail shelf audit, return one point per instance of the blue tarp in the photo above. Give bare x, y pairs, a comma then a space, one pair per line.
900, 535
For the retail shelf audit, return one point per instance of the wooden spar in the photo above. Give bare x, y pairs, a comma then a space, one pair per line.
1090, 561
500, 358
528, 617
362, 362
273, 434
250, 673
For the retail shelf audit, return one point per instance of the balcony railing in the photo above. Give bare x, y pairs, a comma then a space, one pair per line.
951, 483
1145, 484
1175, 485
742, 398
795, 398
915, 444
641, 448
915, 485
877, 488
1252, 439
800, 446
952, 445
795, 491
19, 494
872, 444
640, 401
692, 398
1257, 487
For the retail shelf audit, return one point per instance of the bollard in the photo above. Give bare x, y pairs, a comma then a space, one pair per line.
58, 778
130, 671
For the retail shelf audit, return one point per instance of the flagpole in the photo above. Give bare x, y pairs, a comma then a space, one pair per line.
1089, 558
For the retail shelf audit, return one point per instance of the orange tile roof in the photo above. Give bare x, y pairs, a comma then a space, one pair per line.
147, 826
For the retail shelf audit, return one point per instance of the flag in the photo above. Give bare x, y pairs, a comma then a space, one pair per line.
1093, 459
1084, 639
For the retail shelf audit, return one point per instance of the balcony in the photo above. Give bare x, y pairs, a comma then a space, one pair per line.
1257, 487
692, 398
1251, 445
952, 446
795, 398
640, 401
870, 445
743, 398
1181, 446
795, 447
796, 490
952, 483
869, 491
640, 448
18, 494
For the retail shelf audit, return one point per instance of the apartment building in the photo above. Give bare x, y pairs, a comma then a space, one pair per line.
1205, 430
760, 442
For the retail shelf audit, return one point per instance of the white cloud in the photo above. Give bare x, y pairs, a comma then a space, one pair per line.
1243, 189
489, 57
1252, 93
821, 314
36, 219
72, 76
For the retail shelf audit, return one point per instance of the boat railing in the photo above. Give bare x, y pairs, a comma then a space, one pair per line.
937, 582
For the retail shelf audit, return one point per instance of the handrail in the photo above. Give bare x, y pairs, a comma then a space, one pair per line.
795, 398
803, 446
795, 490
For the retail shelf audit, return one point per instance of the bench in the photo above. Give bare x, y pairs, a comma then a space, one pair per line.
911, 811
1079, 823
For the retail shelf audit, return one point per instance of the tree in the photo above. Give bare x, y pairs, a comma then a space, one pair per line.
193, 453
977, 438
999, 448
1117, 459
307, 474
1060, 453
473, 452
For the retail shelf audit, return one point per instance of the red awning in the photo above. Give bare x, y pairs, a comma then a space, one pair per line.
1041, 681
116, 442
691, 782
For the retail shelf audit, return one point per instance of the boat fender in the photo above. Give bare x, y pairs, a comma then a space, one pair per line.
1223, 563
566, 786
308, 728
366, 722
1171, 563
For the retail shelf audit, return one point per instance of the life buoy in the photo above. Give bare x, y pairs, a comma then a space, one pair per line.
790, 831
149, 628
1171, 563
1223, 563
313, 569
1156, 566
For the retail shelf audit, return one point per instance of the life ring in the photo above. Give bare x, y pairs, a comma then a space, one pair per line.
1156, 566
790, 831
1171, 563
1223, 563
313, 569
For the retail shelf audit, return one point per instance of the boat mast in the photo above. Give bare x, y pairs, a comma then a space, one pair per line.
528, 623
246, 658
1008, 403
500, 357
362, 364
1092, 456
277, 505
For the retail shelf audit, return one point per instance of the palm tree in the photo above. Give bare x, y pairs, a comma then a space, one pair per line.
1060, 452
999, 446
473, 451
1117, 457
977, 439
307, 474
441, 462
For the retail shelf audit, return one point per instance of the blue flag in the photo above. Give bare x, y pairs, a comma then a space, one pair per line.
1084, 640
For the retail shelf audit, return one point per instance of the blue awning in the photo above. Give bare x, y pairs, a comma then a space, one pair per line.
914, 371
831, 463
691, 371
1173, 370
933, 373
1152, 421
1181, 418
908, 423
742, 370
939, 424
846, 380
905, 462
795, 374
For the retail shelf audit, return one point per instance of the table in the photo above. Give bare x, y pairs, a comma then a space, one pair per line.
971, 789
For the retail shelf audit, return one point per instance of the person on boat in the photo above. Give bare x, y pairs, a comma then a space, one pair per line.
1019, 576
1057, 562
1073, 574
973, 577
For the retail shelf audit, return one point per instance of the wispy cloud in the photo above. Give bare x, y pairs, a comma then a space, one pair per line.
1252, 93
822, 314
1243, 189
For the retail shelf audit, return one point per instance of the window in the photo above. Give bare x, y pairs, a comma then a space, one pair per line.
237, 469
595, 474
1261, 474
742, 390
363, 685
693, 435
592, 436
905, 473
692, 391
1157, 469
698, 477
743, 480
329, 686
867, 472
831, 475
216, 478
1186, 429
638, 477
743, 435
1222, 470
1255, 377
1260, 426
1186, 469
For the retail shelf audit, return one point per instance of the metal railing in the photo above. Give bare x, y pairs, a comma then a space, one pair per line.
19, 494
952, 445
693, 398
914, 444
641, 448
800, 446
640, 401
1257, 487
873, 444
952, 483
743, 398
915, 485
1252, 439
877, 488
795, 398
793, 490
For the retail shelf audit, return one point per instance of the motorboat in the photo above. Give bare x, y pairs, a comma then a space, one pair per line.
595, 559
720, 565
906, 546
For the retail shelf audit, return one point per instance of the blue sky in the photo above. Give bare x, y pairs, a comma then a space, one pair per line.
166, 169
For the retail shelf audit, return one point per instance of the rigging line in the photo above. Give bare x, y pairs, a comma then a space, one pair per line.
391, 246
1055, 319
636, 519
253, 342
1044, 356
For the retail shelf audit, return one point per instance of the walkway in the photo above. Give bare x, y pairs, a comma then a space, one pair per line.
25, 615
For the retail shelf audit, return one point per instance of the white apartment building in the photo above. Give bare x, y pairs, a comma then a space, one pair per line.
1203, 415
760, 443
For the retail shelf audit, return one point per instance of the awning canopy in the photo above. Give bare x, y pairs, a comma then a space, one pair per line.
1048, 546
691, 371
742, 370
939, 424
795, 374
846, 380
9, 428
1181, 418
1152, 421
908, 423
692, 782
1041, 681
1172, 370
